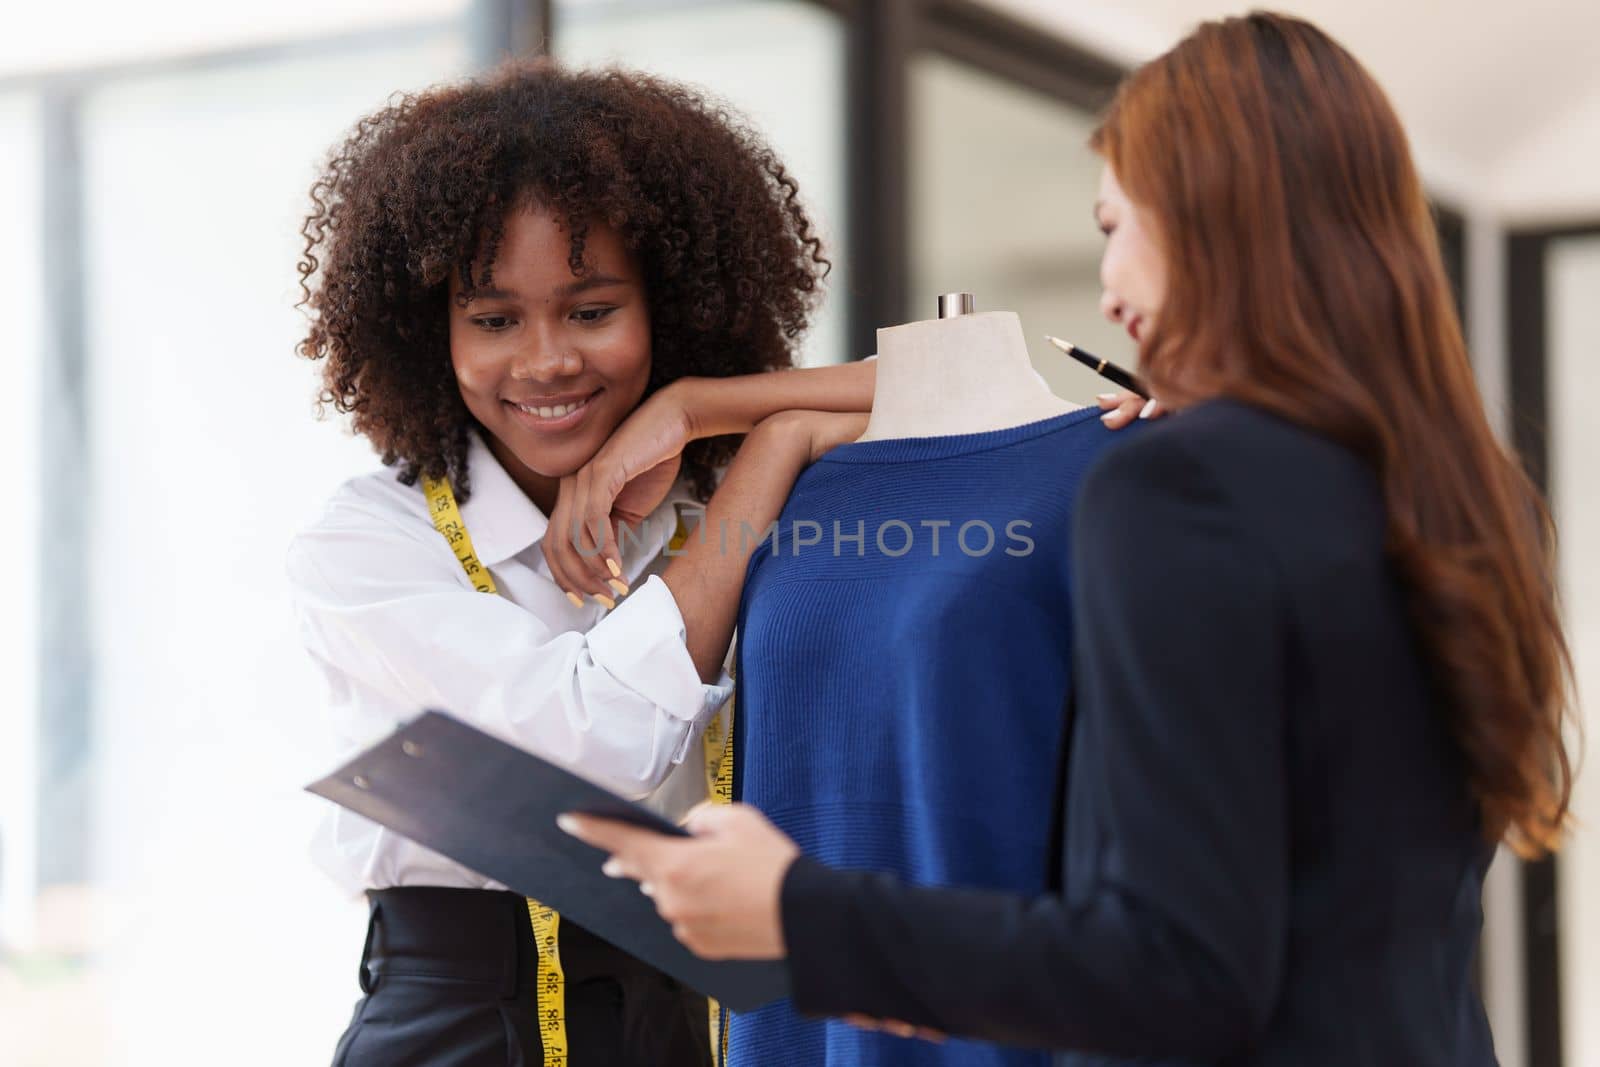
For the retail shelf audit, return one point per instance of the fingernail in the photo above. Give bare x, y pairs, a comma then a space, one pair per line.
616, 571
611, 868
1105, 396
567, 824
647, 889
577, 601
1108, 416
1148, 408
607, 601
620, 587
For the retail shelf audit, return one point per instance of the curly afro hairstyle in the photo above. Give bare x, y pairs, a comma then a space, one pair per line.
731, 265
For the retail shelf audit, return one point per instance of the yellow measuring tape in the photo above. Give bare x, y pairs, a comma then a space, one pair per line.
550, 986
550, 989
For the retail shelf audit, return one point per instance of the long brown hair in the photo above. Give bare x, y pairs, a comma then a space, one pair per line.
1283, 192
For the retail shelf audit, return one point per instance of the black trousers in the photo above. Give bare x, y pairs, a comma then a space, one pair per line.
449, 981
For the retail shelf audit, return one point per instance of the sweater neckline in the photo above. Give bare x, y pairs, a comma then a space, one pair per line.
912, 449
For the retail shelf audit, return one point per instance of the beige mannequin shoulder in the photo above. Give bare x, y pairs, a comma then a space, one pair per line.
960, 375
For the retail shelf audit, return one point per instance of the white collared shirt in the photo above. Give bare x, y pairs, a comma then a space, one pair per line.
395, 627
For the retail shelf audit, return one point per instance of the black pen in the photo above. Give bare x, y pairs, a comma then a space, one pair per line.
1103, 367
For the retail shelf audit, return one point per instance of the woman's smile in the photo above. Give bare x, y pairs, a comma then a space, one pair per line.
545, 416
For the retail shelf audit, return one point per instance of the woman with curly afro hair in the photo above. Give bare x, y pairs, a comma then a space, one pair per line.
562, 306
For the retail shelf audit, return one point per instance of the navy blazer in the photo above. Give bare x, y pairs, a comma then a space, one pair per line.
1269, 851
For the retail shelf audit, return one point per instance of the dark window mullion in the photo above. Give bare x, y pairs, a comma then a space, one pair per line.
879, 41
1527, 363
504, 28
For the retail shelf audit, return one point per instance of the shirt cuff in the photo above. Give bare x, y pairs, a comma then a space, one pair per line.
641, 644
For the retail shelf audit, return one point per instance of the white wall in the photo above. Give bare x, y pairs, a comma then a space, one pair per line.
1501, 101
1553, 175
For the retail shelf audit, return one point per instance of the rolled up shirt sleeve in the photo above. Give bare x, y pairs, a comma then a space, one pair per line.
619, 704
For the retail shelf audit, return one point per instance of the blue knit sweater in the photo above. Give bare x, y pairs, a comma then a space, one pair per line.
901, 694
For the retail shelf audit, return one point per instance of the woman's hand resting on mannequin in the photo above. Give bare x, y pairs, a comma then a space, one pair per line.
1121, 408
635, 469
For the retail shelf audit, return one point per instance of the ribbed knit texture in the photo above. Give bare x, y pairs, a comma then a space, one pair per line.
903, 712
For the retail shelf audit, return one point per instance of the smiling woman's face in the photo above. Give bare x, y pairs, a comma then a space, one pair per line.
550, 363
1133, 271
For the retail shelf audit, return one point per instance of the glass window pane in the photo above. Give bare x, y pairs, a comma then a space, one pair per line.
205, 457
780, 62
1574, 440
1002, 196
21, 282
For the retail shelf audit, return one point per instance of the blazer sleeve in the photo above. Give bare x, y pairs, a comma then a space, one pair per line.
1170, 938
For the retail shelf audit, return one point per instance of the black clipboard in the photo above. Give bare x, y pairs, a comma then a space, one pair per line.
491, 807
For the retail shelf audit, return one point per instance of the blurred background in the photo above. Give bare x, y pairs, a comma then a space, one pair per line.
160, 717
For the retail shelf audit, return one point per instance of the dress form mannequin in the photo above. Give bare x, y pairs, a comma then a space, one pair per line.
901, 695
957, 374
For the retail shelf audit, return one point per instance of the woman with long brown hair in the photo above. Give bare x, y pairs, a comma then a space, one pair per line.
1321, 672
